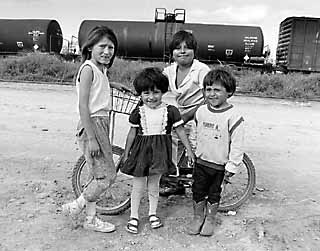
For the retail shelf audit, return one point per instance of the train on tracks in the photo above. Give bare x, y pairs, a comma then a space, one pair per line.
298, 43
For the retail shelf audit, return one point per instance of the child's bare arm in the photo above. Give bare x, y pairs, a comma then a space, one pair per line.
129, 141
84, 92
189, 115
184, 139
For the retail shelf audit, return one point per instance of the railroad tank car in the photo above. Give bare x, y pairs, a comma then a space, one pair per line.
149, 40
30, 34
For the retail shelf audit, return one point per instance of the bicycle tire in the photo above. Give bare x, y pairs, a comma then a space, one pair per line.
248, 190
78, 185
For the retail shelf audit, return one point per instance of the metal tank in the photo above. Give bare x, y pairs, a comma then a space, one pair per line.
149, 40
228, 43
30, 34
136, 39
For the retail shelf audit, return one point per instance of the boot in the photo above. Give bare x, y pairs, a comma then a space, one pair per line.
209, 222
198, 218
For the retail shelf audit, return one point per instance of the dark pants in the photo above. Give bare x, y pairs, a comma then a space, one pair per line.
207, 183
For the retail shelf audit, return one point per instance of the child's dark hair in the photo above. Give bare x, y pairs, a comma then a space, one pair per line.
223, 76
94, 36
181, 36
150, 78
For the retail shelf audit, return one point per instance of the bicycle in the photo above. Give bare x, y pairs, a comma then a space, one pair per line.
116, 200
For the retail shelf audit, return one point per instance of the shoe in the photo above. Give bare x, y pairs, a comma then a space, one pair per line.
72, 208
155, 221
98, 225
133, 225
179, 190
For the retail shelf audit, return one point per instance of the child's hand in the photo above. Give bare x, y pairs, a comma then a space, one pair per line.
228, 174
227, 177
94, 148
191, 158
124, 157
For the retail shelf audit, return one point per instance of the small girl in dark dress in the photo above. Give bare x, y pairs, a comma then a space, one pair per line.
148, 150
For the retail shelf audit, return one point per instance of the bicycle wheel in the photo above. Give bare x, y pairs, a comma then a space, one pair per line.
117, 198
240, 187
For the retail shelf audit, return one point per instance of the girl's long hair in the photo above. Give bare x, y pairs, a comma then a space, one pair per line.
94, 36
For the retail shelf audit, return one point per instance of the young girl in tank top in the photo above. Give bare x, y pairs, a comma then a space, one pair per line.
93, 89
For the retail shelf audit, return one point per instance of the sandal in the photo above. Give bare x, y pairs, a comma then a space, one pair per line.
133, 225
155, 221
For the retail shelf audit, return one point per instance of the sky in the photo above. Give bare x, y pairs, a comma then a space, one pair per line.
70, 13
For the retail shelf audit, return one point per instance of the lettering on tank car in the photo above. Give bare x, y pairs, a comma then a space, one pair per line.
211, 47
229, 52
19, 44
249, 42
35, 35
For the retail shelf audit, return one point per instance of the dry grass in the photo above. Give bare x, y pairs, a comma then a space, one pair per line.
37, 67
294, 85
52, 68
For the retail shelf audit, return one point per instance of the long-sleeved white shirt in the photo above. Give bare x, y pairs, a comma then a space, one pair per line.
220, 136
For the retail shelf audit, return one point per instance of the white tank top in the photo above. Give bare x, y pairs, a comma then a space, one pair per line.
100, 98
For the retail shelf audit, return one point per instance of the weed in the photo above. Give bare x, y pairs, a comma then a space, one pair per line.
52, 68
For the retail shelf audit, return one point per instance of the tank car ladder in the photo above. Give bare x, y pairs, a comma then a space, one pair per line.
170, 26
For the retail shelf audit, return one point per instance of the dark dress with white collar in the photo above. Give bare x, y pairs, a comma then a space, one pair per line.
151, 151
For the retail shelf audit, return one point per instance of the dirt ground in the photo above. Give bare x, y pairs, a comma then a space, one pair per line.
38, 152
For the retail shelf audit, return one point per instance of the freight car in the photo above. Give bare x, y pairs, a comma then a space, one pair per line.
299, 44
150, 40
30, 34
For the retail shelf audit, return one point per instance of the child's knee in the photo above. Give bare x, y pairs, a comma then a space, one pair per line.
96, 188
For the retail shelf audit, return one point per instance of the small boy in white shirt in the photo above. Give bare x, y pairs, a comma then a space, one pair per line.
220, 134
